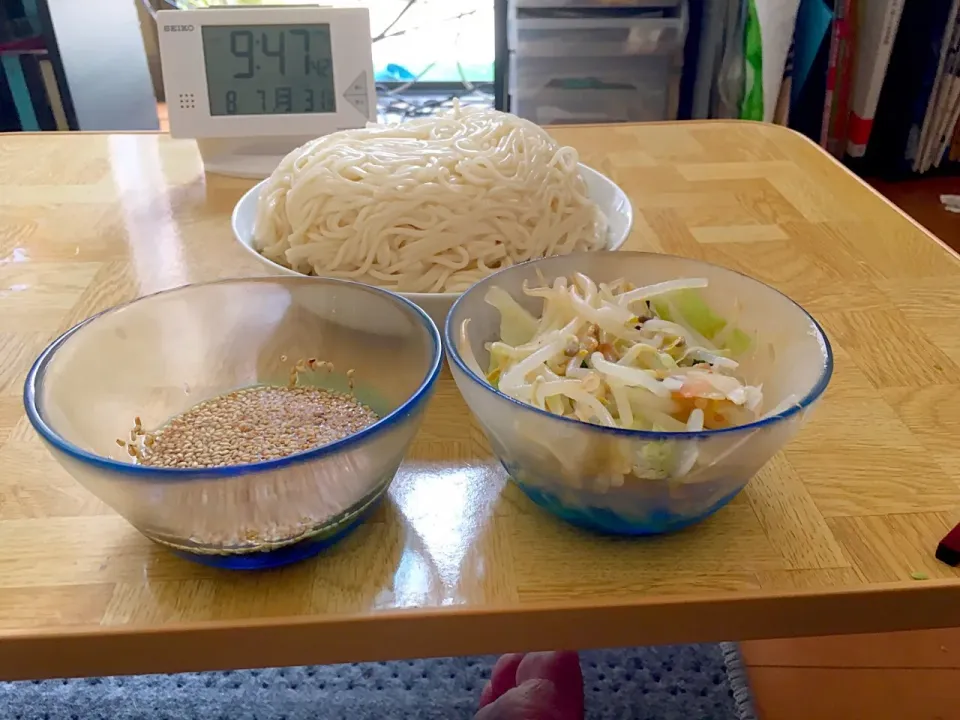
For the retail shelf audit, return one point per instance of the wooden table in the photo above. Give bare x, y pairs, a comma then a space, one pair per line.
835, 535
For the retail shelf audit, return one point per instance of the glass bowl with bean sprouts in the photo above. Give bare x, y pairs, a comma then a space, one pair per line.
634, 393
243, 423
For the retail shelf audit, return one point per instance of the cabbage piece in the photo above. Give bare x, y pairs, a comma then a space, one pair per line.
466, 351
501, 355
655, 460
753, 397
695, 421
688, 451
517, 326
655, 410
661, 288
695, 312
564, 455
782, 406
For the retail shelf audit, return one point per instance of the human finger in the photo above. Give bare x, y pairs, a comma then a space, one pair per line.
503, 677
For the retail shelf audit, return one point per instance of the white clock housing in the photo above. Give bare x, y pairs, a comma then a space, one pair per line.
252, 83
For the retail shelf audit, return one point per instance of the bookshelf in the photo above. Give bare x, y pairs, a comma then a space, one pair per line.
73, 65
33, 90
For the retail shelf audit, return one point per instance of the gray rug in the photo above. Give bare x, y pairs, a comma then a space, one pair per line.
684, 682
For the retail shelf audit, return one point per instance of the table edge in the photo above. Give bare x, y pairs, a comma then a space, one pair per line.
86, 651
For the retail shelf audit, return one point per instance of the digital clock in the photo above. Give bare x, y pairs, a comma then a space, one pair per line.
269, 69
250, 84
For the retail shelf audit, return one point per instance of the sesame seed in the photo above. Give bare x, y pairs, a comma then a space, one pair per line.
252, 425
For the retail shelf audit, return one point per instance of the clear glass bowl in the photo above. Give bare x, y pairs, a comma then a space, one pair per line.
560, 463
162, 354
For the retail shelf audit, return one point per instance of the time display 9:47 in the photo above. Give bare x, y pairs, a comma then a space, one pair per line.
269, 69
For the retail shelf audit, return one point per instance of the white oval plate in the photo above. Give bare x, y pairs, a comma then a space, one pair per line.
602, 190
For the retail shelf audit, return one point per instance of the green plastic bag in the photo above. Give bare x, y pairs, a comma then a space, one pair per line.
752, 107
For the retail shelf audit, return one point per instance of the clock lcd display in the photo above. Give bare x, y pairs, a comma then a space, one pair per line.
269, 69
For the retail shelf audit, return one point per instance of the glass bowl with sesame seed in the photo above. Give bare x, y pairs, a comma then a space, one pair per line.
243, 423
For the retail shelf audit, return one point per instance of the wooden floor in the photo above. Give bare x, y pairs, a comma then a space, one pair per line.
921, 200
898, 676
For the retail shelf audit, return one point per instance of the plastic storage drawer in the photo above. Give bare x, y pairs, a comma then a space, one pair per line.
597, 37
571, 90
591, 4
559, 107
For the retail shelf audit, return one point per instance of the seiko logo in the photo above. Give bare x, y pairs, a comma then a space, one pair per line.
178, 28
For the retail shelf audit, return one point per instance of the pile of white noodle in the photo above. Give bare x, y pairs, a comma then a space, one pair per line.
430, 205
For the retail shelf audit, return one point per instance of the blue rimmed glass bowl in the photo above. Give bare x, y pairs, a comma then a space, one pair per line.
159, 355
563, 464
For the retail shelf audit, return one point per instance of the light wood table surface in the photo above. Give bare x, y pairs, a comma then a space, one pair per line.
828, 538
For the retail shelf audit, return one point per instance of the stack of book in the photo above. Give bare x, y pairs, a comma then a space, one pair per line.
937, 137
875, 82
915, 129
31, 96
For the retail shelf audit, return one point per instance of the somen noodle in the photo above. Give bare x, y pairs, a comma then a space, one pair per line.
430, 205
